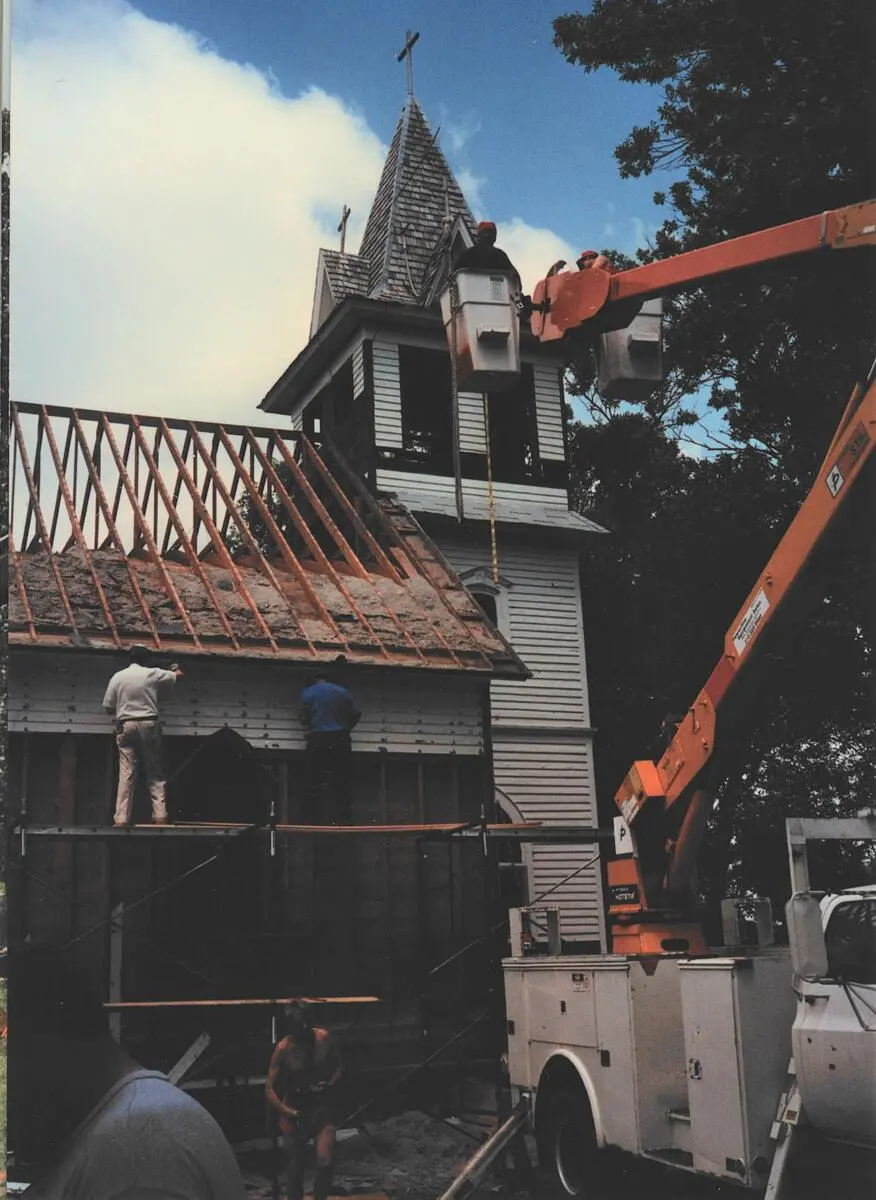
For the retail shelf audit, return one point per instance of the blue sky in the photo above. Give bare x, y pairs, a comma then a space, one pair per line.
177, 165
538, 131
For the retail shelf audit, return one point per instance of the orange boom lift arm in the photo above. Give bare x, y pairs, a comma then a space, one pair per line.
565, 302
646, 890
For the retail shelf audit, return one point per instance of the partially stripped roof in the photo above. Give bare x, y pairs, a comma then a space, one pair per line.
198, 538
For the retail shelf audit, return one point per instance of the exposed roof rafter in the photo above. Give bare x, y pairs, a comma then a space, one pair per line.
223, 540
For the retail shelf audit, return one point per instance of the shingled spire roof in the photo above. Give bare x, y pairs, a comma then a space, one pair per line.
417, 191
418, 210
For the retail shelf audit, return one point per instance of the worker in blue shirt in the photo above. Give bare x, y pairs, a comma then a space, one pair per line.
329, 714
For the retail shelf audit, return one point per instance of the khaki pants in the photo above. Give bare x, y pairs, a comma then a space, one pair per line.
139, 742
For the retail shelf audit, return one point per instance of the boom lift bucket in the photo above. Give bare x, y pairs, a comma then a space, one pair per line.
630, 360
483, 330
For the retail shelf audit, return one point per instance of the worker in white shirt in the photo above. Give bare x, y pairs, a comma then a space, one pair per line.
132, 701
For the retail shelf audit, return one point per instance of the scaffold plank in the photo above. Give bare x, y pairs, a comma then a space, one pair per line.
270, 1002
524, 832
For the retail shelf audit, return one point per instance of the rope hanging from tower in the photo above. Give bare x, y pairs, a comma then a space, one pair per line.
454, 399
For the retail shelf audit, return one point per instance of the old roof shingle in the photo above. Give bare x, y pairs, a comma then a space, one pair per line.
416, 196
347, 274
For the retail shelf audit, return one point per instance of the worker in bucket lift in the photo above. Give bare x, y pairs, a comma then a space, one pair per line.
484, 255
329, 715
132, 701
305, 1069
589, 260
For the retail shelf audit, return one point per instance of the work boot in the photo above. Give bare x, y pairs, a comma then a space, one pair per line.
322, 1183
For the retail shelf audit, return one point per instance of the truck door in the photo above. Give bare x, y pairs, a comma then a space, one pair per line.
835, 1031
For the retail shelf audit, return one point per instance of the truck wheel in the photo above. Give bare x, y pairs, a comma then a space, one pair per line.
569, 1147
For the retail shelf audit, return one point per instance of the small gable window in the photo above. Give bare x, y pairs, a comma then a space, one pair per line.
487, 601
427, 432
491, 597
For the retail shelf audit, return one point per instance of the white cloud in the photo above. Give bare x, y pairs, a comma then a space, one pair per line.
472, 188
532, 250
457, 130
168, 206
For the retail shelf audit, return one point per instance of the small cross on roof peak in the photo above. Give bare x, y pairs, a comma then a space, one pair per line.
406, 53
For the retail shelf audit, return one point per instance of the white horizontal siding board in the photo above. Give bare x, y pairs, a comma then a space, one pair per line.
358, 370
549, 413
548, 779
298, 420
517, 494
570, 877
401, 715
387, 395
471, 423
544, 626
542, 752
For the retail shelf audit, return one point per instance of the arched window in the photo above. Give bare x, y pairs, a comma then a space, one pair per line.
487, 601
492, 597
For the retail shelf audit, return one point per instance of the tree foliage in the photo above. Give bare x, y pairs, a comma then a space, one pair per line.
762, 120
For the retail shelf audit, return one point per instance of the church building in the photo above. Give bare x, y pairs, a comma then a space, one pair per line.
374, 381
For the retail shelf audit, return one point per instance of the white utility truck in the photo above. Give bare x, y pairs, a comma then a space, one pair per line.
708, 1063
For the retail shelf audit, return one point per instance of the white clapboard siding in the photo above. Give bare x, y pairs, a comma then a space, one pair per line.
572, 879
358, 371
548, 777
298, 420
549, 411
442, 487
387, 395
401, 714
544, 626
542, 753
471, 423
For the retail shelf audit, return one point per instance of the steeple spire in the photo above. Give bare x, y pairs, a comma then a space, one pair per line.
416, 200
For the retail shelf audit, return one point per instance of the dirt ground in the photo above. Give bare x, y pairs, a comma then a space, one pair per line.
409, 1157
416, 1157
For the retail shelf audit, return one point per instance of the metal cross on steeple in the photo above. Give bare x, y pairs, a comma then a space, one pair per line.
342, 228
411, 40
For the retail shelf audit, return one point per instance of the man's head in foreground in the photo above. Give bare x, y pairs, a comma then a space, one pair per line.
61, 1056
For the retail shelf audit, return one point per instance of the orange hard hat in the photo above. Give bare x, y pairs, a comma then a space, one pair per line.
487, 229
